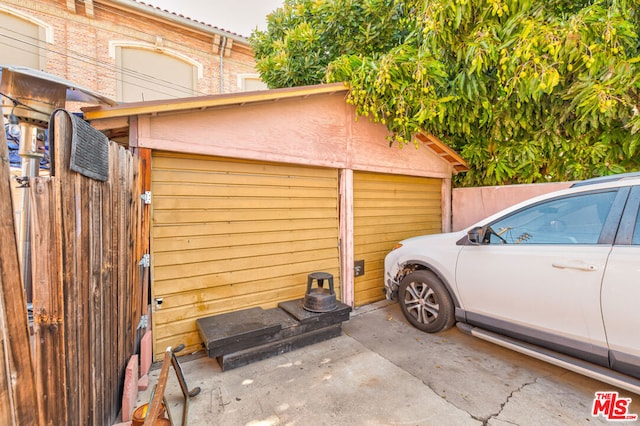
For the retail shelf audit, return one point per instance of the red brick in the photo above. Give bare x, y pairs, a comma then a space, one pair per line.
130, 391
146, 353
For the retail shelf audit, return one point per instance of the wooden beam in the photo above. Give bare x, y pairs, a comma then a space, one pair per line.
111, 123
346, 236
16, 367
156, 407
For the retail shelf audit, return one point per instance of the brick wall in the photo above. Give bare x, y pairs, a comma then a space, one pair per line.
80, 50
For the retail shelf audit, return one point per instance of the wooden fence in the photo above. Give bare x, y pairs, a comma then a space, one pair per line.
86, 243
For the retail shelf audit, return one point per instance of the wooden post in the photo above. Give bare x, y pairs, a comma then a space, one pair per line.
144, 155
18, 401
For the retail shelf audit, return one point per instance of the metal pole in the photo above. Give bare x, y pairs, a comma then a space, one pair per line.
31, 142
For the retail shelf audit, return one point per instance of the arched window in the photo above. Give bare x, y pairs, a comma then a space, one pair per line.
21, 39
146, 73
250, 82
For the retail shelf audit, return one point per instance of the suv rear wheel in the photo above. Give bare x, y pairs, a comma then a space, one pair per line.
425, 302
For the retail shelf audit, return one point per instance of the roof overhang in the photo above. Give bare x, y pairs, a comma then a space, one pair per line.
32, 95
209, 101
74, 92
443, 150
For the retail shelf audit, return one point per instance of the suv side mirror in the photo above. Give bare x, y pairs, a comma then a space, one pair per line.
476, 235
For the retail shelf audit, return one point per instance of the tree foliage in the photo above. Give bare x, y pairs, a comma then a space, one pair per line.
525, 90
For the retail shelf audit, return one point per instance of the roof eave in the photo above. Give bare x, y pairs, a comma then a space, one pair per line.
209, 101
165, 15
443, 151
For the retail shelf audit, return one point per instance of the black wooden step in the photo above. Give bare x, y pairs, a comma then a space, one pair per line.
258, 353
252, 334
233, 331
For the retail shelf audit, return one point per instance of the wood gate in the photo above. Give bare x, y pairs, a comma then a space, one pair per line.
86, 241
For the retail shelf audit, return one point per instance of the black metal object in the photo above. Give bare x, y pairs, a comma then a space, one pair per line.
320, 299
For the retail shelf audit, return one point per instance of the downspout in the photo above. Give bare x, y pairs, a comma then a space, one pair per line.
223, 45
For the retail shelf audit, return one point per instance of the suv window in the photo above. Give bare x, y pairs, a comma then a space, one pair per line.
573, 219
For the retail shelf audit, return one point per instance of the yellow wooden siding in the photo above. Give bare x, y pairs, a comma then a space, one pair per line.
228, 235
387, 209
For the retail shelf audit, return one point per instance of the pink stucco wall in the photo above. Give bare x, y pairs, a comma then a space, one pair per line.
470, 205
316, 130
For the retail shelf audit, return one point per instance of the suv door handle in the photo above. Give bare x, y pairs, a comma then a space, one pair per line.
576, 266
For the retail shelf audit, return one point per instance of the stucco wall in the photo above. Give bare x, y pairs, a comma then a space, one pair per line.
470, 205
316, 130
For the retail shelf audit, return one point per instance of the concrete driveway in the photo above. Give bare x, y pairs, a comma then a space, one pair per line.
382, 371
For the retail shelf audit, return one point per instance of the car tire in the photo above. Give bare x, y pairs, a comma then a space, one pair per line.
426, 302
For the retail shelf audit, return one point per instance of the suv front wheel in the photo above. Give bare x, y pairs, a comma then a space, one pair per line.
425, 302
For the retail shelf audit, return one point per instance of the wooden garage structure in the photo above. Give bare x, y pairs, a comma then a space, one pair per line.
251, 192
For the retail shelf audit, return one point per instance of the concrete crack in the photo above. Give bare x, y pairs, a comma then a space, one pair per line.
496, 415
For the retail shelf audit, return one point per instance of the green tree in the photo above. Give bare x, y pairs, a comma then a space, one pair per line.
525, 90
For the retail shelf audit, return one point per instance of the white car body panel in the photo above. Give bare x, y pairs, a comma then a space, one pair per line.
560, 299
442, 258
621, 300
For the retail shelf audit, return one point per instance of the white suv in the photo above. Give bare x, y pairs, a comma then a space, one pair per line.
556, 277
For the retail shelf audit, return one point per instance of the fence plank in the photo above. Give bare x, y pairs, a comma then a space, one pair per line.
68, 202
96, 313
111, 292
48, 300
83, 344
16, 365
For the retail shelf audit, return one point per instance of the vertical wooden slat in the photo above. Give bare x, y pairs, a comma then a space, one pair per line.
112, 320
83, 353
110, 379
132, 307
48, 302
67, 185
135, 236
122, 325
16, 365
96, 313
